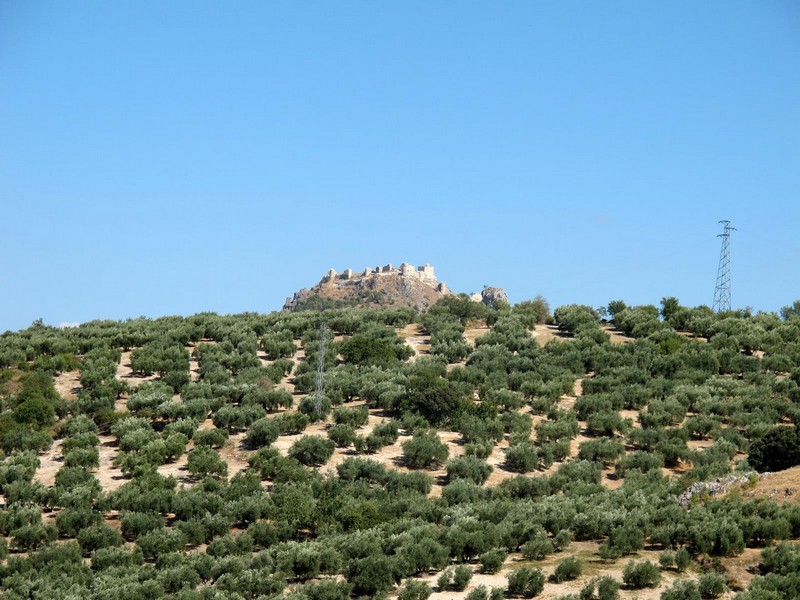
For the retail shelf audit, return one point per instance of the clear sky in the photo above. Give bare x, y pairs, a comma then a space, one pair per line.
174, 157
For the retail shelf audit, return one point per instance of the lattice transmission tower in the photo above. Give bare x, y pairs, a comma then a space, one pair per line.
323, 331
722, 292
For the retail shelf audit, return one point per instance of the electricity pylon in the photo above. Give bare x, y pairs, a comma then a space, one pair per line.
323, 330
722, 292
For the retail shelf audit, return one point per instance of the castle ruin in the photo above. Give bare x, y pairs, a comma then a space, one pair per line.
424, 273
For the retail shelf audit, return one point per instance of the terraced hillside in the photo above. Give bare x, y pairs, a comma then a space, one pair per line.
464, 452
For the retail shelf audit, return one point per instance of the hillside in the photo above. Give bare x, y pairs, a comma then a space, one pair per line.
190, 458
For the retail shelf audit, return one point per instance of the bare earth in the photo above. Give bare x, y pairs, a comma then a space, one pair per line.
415, 337
545, 333
474, 330
68, 384
592, 567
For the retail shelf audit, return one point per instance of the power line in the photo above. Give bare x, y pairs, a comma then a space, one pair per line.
722, 291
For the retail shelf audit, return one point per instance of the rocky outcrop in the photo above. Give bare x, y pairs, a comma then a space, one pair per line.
386, 286
492, 295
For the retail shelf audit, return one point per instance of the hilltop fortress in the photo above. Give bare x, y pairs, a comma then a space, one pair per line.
384, 286
425, 273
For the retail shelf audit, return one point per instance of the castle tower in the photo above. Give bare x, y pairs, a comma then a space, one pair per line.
427, 271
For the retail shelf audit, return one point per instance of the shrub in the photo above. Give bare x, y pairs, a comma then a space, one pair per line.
462, 575
712, 585
385, 434
30, 537
229, 545
492, 560
237, 418
186, 426
468, 467
622, 541
215, 437
522, 458
568, 569
135, 524
682, 590
537, 548
326, 589
99, 536
204, 461
36, 412
482, 449
415, 590
454, 578
562, 540
682, 559
779, 449
602, 450
263, 432
82, 457
478, 593
312, 450
70, 521
80, 440
525, 582
666, 559
600, 588
316, 411
78, 425
161, 541
103, 558
355, 416
292, 423
424, 450
371, 575
444, 580
343, 435
641, 575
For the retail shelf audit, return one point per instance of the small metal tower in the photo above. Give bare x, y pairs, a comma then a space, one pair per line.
722, 292
323, 330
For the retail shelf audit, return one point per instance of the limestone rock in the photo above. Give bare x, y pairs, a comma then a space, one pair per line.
492, 295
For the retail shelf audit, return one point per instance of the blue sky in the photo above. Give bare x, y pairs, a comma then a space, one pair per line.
174, 157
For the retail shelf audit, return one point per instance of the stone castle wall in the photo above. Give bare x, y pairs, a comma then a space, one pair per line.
424, 273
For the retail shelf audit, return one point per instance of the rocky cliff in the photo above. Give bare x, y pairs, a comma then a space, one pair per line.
381, 287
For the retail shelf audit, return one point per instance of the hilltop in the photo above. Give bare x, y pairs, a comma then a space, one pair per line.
381, 287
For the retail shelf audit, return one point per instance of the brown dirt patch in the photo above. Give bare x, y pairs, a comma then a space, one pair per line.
616, 336
109, 476
474, 330
415, 337
68, 384
235, 454
49, 464
125, 373
544, 333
